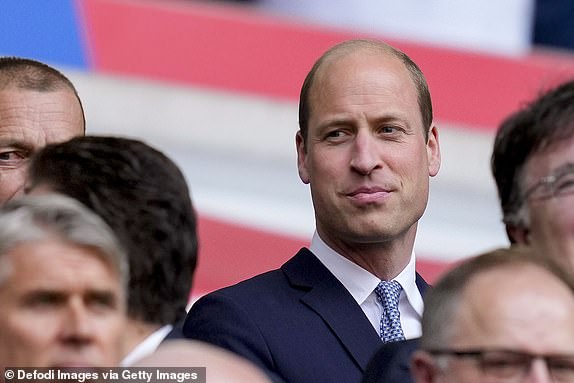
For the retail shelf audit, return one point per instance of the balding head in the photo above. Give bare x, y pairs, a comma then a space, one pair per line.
500, 306
221, 366
367, 47
38, 106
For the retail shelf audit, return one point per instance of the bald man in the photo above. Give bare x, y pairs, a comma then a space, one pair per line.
38, 106
504, 316
221, 366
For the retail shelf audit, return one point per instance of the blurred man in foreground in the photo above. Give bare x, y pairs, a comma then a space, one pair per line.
144, 198
62, 286
505, 316
38, 106
221, 365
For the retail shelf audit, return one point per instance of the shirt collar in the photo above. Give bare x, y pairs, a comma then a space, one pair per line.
147, 346
360, 282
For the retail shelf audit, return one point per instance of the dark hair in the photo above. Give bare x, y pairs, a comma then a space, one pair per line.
144, 198
538, 125
442, 300
30, 74
424, 98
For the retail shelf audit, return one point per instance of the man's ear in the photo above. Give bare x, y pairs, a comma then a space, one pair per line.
433, 151
518, 235
301, 157
423, 367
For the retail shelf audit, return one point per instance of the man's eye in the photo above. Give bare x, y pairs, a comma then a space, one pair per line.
43, 300
11, 158
503, 367
7, 156
566, 365
335, 134
388, 129
101, 301
564, 184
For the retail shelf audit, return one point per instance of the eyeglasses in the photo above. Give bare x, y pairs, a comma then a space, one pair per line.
555, 185
500, 365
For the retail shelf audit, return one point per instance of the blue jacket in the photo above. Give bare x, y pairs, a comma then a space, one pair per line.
298, 323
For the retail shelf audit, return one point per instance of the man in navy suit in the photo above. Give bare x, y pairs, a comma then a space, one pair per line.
367, 146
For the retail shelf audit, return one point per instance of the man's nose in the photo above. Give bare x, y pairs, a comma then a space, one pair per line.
365, 155
77, 329
538, 372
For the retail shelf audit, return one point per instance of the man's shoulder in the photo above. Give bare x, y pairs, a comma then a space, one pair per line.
271, 283
261, 284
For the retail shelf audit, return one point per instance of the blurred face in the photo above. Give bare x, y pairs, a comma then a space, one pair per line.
522, 308
60, 306
30, 120
366, 158
551, 228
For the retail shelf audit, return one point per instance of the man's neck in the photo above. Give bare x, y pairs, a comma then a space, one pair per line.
385, 259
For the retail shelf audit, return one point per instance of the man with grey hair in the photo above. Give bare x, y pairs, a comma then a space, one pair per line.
62, 288
38, 106
504, 316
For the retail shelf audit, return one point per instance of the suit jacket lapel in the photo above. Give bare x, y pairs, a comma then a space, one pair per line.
421, 284
330, 300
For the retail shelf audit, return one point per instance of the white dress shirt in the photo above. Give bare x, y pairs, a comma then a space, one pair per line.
361, 284
147, 346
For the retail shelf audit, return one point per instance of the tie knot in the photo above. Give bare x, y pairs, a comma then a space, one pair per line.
388, 292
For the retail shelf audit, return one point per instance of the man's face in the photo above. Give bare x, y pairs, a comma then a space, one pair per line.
60, 306
551, 228
522, 308
30, 120
366, 158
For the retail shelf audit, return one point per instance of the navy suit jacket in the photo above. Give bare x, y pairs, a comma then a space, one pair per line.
391, 364
298, 323
176, 332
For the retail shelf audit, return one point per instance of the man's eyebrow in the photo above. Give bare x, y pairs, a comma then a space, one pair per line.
335, 121
344, 120
43, 294
14, 143
102, 296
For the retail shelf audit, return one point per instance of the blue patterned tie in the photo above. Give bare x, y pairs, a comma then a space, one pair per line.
388, 293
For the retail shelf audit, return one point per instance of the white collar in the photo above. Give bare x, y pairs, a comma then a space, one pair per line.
146, 346
360, 282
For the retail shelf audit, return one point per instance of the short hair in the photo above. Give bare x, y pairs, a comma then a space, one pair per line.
442, 301
374, 46
539, 124
35, 218
144, 197
28, 74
